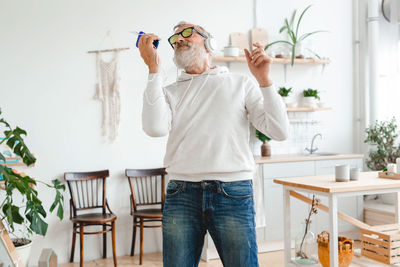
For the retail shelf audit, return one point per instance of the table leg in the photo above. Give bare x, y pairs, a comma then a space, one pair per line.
286, 226
333, 231
397, 207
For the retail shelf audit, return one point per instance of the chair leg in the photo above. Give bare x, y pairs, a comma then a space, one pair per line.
141, 241
81, 243
73, 243
104, 242
133, 237
113, 243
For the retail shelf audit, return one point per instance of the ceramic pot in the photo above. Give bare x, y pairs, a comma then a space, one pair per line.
24, 252
265, 149
231, 51
309, 102
299, 50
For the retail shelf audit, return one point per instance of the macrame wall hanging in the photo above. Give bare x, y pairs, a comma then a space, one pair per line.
107, 91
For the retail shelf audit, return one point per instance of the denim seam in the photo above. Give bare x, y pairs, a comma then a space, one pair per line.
237, 197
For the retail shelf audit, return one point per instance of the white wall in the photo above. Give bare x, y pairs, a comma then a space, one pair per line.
47, 84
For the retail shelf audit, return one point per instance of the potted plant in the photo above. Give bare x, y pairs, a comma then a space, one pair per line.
265, 147
284, 93
29, 212
310, 97
295, 39
382, 136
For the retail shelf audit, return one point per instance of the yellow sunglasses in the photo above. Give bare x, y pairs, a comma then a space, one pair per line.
186, 33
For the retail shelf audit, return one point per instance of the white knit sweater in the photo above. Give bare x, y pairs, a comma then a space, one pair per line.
207, 118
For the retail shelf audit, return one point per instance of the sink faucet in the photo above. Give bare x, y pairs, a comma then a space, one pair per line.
312, 150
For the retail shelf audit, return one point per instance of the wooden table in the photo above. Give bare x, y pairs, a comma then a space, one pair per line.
325, 185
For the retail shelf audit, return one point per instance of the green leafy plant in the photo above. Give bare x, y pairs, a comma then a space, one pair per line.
283, 91
311, 93
262, 137
31, 213
382, 136
292, 30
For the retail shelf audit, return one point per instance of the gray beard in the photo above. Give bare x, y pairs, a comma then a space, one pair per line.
188, 58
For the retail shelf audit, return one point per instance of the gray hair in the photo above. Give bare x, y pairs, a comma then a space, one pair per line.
181, 23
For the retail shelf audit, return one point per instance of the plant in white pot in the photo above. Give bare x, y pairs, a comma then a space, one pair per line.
382, 136
28, 211
295, 39
265, 147
284, 92
310, 97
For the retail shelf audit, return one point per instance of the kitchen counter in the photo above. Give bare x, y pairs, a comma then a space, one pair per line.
303, 157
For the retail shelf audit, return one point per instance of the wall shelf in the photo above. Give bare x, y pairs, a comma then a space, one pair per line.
283, 61
302, 109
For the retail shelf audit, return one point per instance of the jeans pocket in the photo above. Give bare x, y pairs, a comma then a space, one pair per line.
174, 188
243, 189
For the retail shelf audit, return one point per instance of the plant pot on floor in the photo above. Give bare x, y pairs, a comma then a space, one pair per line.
24, 251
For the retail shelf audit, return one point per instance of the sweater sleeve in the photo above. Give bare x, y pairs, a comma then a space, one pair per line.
267, 112
156, 113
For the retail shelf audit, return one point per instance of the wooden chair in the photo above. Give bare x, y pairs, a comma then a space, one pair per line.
88, 192
147, 189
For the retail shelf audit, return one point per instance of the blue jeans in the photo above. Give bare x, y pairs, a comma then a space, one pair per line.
224, 209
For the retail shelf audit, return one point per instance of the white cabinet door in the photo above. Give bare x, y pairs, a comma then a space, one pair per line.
288, 169
273, 197
274, 214
274, 210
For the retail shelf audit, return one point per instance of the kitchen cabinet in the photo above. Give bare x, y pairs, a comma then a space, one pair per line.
273, 196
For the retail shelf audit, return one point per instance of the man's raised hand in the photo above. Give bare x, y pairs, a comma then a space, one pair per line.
259, 64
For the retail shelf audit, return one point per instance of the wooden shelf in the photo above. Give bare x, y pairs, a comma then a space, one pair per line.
283, 61
300, 109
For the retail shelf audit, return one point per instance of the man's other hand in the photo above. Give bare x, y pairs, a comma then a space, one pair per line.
148, 52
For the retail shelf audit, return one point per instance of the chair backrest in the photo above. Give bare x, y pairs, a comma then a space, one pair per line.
87, 189
147, 187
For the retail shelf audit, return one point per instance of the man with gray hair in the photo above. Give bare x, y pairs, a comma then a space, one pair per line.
206, 114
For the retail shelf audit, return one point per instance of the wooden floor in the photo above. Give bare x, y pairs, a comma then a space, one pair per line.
270, 259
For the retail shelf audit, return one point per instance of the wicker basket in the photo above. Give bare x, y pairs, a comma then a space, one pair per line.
381, 243
345, 250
